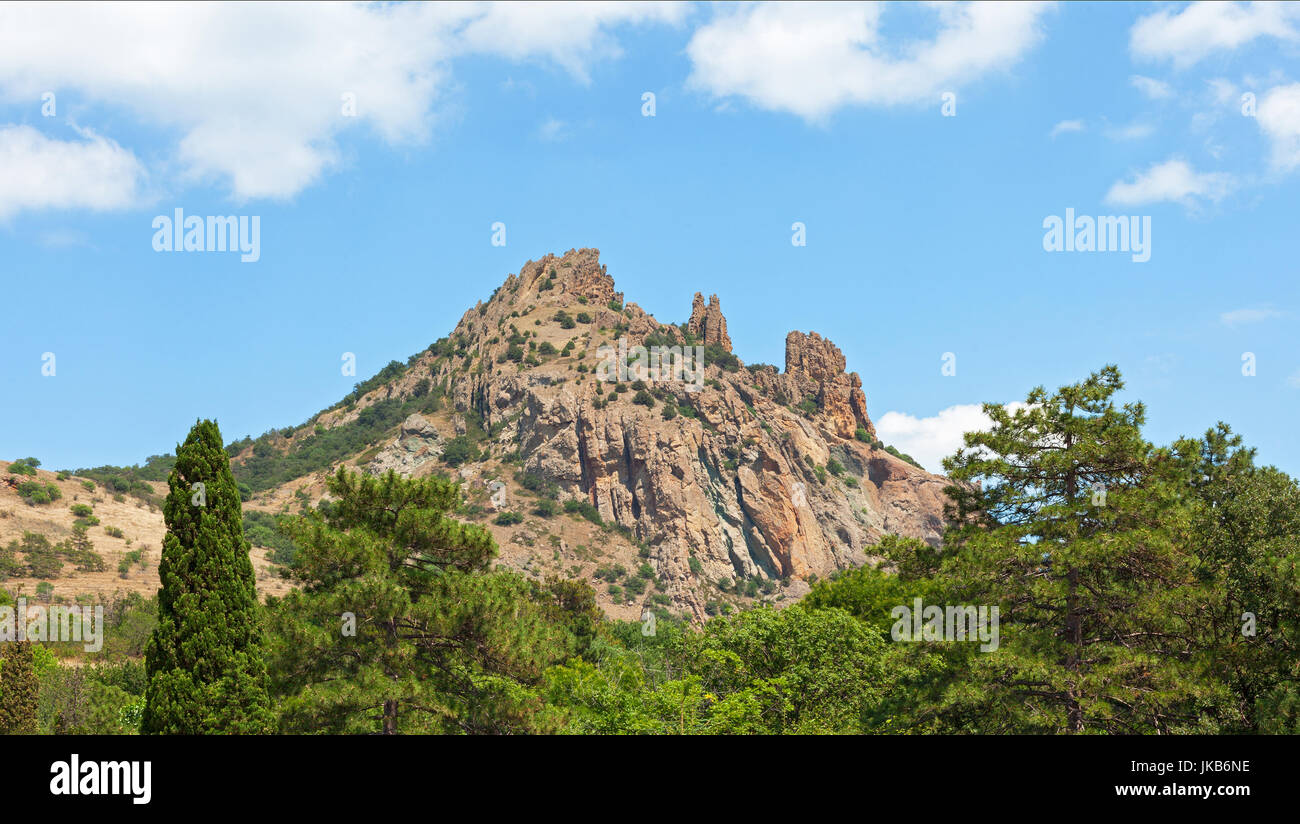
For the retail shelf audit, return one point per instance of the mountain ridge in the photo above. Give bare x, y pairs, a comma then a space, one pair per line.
740, 483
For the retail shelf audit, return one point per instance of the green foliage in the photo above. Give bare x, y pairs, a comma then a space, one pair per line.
508, 519
459, 450
441, 642
715, 354
760, 672
130, 480
36, 493
41, 558
81, 510
537, 484
584, 509
89, 700
204, 660
263, 529
1246, 528
19, 689
546, 508
1088, 643
892, 451
10, 566
391, 372
275, 462
80, 550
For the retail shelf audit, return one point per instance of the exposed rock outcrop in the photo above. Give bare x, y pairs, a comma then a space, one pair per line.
762, 475
418, 443
707, 323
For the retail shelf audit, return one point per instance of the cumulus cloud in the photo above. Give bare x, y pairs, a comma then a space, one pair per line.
1173, 181
572, 35
254, 93
1187, 35
810, 59
42, 172
930, 440
1278, 115
1237, 317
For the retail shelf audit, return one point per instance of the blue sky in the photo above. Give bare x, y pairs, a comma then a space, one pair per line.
924, 231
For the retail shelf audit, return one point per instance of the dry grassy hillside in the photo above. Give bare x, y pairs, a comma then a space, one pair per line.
140, 523
566, 547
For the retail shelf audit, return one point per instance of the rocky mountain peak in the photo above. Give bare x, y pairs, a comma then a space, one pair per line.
576, 273
812, 356
740, 474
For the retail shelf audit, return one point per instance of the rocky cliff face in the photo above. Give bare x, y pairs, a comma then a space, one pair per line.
759, 475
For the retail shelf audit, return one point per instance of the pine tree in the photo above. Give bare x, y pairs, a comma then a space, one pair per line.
401, 626
1247, 535
18, 689
1079, 531
204, 661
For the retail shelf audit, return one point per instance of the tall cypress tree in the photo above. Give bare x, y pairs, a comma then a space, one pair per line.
18, 689
205, 660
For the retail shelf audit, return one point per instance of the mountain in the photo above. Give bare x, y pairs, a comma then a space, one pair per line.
698, 490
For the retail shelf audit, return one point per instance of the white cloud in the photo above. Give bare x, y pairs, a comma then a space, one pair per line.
1222, 90
813, 58
1202, 28
1278, 114
930, 440
1173, 180
1151, 88
253, 92
573, 35
1238, 317
64, 239
45, 173
553, 130
1067, 126
1293, 380
1133, 131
